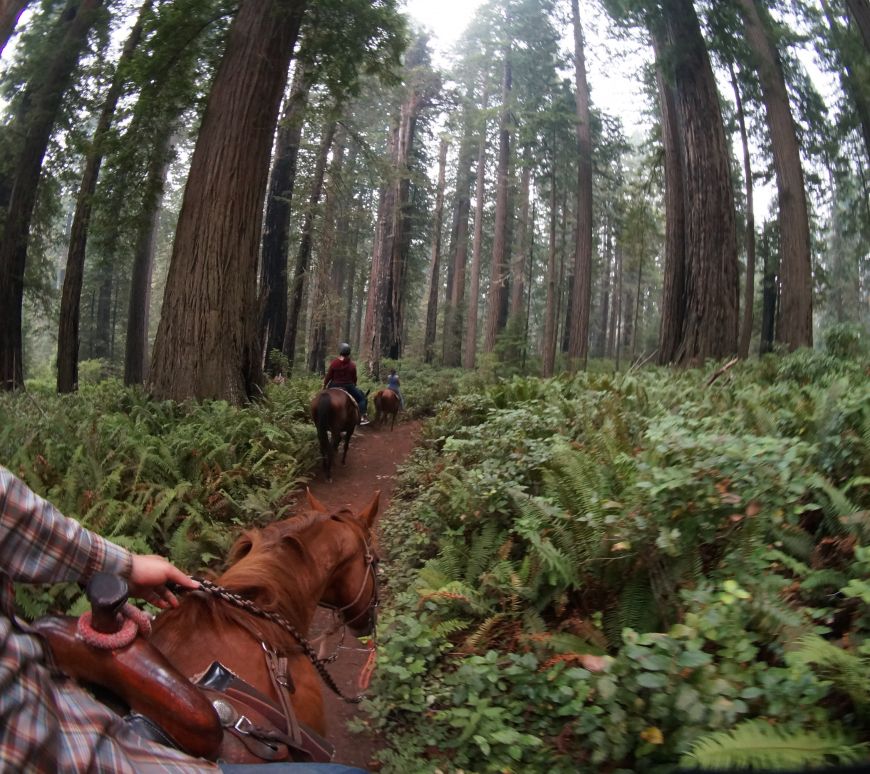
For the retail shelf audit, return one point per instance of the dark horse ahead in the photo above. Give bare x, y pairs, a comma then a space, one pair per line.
386, 404
333, 411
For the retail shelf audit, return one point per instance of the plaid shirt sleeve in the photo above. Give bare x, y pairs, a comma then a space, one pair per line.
40, 545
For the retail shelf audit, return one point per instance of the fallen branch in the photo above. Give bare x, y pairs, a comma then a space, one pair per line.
721, 371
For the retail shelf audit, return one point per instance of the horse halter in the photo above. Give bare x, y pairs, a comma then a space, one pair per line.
372, 560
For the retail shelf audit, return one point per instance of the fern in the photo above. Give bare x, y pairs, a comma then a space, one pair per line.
848, 672
755, 743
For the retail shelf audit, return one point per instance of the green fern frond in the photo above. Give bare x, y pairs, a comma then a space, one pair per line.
794, 566
850, 673
755, 743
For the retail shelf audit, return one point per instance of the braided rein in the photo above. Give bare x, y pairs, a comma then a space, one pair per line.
276, 618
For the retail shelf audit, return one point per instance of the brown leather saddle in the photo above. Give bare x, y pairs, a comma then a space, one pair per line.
217, 716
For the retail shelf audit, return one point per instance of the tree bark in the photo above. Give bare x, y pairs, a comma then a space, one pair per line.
68, 331
795, 328
207, 343
470, 351
435, 262
303, 254
34, 122
710, 321
10, 10
549, 344
749, 286
275, 250
499, 271
768, 296
136, 354
520, 241
578, 338
859, 10
605, 286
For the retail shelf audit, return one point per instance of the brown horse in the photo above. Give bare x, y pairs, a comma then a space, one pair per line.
242, 640
289, 567
333, 411
386, 403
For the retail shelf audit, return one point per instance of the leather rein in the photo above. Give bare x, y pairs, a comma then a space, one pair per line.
319, 664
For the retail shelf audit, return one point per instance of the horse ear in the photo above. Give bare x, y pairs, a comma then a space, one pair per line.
315, 504
368, 513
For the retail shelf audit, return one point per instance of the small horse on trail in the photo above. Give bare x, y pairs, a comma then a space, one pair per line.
386, 403
333, 411
233, 676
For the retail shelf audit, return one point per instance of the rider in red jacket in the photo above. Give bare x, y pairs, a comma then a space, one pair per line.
342, 373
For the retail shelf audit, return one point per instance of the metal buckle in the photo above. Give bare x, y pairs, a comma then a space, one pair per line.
243, 725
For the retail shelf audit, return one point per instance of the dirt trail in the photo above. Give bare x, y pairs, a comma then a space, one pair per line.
372, 459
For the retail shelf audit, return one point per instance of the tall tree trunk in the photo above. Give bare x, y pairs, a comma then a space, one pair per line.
749, 287
435, 262
68, 331
207, 343
674, 279
605, 288
326, 289
103, 332
613, 345
136, 355
10, 10
520, 241
453, 308
578, 338
273, 275
34, 122
709, 328
470, 351
303, 254
549, 343
499, 270
796, 290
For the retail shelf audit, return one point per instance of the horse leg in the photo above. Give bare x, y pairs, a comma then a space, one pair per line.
347, 436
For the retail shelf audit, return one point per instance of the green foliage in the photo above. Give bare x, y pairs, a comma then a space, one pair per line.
694, 534
175, 479
756, 743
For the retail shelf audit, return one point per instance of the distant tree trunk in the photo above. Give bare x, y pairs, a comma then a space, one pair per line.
10, 10
859, 10
795, 271
435, 261
370, 333
499, 270
768, 296
563, 257
279, 200
521, 241
856, 87
136, 355
303, 254
453, 309
207, 342
578, 337
326, 289
605, 288
470, 350
103, 332
549, 344
68, 331
710, 322
613, 346
34, 122
749, 287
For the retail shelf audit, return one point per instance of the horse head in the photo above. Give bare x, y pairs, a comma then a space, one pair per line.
352, 588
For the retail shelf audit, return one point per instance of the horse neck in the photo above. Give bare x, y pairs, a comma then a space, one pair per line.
300, 574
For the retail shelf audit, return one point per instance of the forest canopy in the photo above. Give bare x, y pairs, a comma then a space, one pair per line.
196, 195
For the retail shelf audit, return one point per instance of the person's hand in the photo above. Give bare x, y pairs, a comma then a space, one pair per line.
149, 576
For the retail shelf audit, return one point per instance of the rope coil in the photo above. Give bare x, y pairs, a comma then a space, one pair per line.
135, 622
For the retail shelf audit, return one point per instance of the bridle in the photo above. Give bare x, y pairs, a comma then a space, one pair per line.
237, 600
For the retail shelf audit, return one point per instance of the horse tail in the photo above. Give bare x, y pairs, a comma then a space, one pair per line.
322, 424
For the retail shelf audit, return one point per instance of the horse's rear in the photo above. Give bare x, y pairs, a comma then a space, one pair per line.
386, 404
334, 412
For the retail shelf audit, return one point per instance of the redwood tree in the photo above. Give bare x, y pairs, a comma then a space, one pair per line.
206, 345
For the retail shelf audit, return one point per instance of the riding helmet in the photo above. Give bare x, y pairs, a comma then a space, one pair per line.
344, 350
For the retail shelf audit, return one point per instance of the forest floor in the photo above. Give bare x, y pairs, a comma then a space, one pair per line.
374, 454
